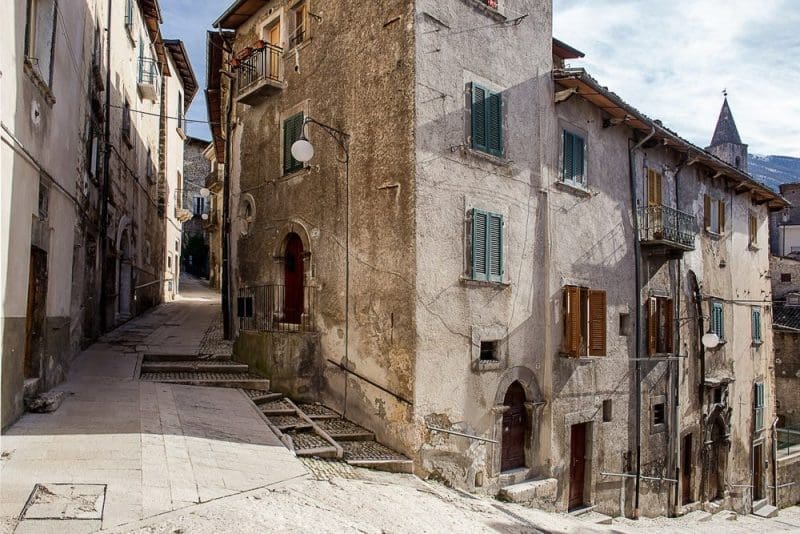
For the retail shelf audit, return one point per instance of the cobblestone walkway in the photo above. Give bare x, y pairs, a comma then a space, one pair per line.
213, 345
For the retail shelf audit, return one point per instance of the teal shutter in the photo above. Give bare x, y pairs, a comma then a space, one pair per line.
487, 246
487, 121
291, 132
717, 320
572, 166
478, 114
759, 406
756, 325
129, 13
577, 151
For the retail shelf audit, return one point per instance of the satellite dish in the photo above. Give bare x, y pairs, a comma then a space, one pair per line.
710, 340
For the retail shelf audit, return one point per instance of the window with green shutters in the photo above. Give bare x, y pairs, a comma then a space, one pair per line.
487, 120
129, 13
572, 163
292, 128
717, 320
487, 246
758, 406
755, 315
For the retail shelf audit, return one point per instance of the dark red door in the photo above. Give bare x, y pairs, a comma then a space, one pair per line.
686, 470
515, 425
577, 468
758, 473
34, 327
293, 280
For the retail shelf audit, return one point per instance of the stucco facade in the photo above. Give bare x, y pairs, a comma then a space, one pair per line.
406, 331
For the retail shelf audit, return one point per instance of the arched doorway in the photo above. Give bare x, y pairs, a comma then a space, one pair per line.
293, 274
125, 277
516, 425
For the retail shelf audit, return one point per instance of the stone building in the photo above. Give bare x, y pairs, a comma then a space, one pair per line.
84, 158
785, 225
197, 201
489, 243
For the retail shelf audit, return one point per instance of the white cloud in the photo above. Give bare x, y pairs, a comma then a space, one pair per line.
673, 59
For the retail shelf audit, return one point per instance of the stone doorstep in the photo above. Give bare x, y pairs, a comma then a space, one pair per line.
530, 490
766, 511
264, 397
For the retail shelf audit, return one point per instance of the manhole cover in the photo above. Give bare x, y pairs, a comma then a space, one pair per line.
65, 501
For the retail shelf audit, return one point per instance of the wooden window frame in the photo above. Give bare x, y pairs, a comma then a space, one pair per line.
585, 316
660, 326
714, 212
568, 176
481, 269
305, 34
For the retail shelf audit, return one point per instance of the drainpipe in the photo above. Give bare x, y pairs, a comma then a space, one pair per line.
226, 220
103, 200
698, 298
637, 253
775, 460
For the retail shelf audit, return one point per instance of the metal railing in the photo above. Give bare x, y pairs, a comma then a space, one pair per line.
148, 72
788, 440
262, 64
662, 223
276, 308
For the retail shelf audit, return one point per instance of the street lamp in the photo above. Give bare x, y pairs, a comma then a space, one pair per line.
303, 151
205, 192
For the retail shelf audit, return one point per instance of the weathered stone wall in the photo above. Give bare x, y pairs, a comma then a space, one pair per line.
784, 276
788, 472
787, 377
355, 73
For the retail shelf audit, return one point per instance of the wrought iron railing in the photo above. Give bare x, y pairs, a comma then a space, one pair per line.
262, 64
276, 308
788, 440
665, 224
148, 72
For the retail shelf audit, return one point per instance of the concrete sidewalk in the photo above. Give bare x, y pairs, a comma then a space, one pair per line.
141, 448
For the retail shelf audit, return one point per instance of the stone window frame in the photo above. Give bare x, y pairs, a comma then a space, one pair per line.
480, 333
654, 401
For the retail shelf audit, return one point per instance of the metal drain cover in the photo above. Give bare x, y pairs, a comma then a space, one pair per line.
65, 501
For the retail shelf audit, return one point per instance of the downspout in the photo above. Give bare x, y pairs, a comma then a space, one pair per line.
775, 460
698, 298
637, 253
103, 200
226, 219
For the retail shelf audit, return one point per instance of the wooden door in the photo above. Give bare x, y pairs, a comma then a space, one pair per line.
274, 38
515, 426
293, 280
686, 470
758, 472
36, 312
577, 468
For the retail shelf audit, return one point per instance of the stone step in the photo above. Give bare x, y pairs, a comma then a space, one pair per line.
278, 407
164, 357
344, 430
766, 511
597, 518
260, 397
530, 491
308, 443
317, 411
210, 379
285, 423
209, 365
373, 455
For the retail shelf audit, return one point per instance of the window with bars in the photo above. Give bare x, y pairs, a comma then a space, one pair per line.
758, 406
713, 215
717, 319
486, 250
584, 321
573, 168
292, 129
660, 325
755, 325
486, 120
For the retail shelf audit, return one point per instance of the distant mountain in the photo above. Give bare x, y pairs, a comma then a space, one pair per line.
773, 171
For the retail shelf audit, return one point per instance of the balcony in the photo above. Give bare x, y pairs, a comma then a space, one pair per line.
276, 308
149, 78
260, 74
666, 228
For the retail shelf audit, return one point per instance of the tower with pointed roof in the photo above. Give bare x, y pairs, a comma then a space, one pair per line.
726, 143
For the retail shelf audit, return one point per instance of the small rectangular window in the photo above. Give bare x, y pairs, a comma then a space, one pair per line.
607, 410
40, 34
489, 351
126, 120
753, 230
758, 405
584, 321
624, 324
660, 325
786, 277
292, 129
716, 395
714, 215
129, 14
487, 120
659, 414
573, 159
300, 31
486, 255
717, 319
755, 326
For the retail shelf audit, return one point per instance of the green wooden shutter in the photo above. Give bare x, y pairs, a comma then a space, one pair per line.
129, 13
577, 159
717, 319
759, 406
480, 223
291, 132
567, 165
494, 248
756, 325
478, 113
494, 124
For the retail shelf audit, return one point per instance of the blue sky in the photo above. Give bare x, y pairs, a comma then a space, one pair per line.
671, 60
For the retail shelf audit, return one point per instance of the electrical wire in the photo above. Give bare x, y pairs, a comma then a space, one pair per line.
183, 119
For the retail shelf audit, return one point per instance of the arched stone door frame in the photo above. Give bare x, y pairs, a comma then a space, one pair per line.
534, 404
293, 228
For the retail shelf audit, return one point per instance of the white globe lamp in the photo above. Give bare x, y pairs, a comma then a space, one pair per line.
302, 150
710, 340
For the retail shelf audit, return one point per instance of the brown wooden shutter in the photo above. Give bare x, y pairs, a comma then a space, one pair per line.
721, 217
669, 327
572, 320
597, 323
707, 212
654, 190
652, 326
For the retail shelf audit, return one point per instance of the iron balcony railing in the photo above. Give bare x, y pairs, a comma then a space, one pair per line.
263, 64
665, 225
276, 308
148, 72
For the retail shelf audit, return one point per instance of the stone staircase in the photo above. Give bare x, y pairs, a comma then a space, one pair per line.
310, 430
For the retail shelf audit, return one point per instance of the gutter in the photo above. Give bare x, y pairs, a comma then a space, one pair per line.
637, 252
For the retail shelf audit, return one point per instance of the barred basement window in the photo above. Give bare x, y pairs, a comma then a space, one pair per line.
659, 414
489, 351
